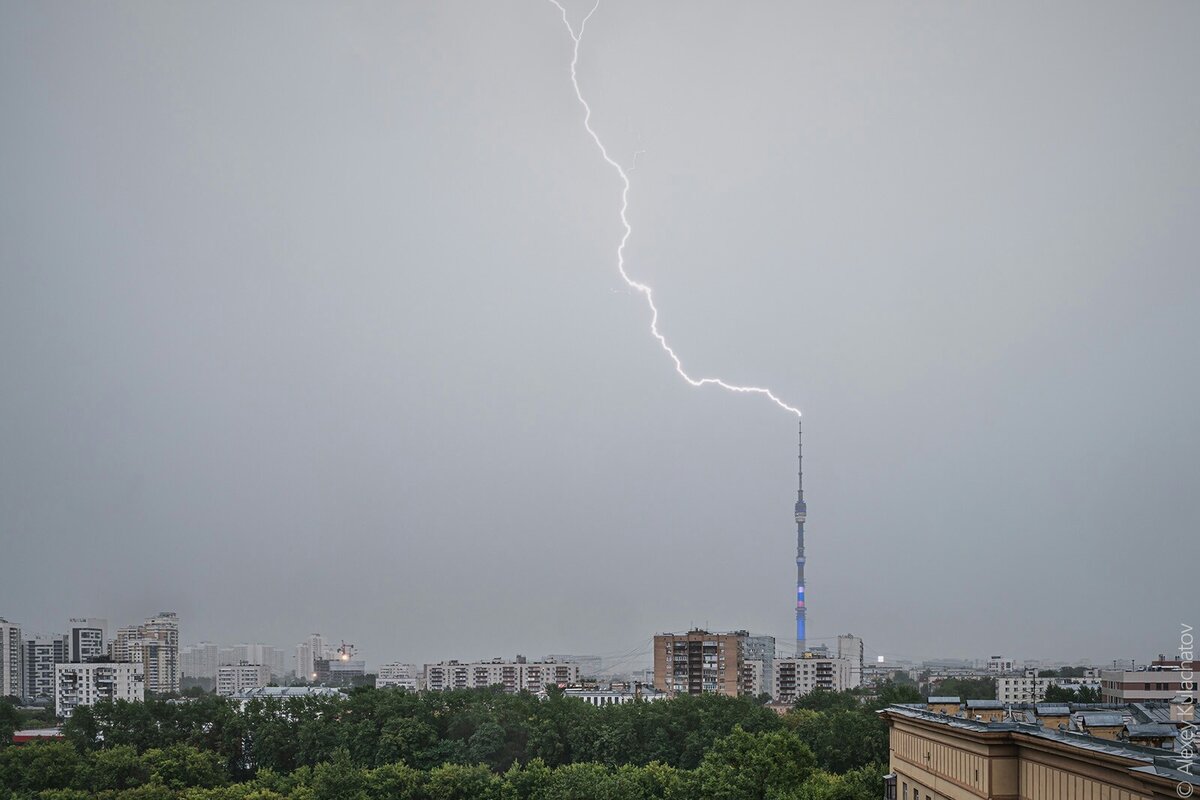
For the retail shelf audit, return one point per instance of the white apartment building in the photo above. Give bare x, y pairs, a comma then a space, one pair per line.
850, 648
1030, 688
199, 661
12, 668
86, 684
513, 676
235, 678
401, 676
309, 652
796, 677
86, 641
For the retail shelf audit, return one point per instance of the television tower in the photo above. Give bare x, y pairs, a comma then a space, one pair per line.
801, 513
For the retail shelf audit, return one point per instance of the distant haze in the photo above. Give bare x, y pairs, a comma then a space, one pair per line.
310, 321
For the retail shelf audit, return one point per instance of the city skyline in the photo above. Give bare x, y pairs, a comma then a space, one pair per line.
320, 331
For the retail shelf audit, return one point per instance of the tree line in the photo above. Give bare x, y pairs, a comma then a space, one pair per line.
463, 744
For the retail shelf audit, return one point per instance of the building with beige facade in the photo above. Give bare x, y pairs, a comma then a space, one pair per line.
700, 662
939, 757
1161, 680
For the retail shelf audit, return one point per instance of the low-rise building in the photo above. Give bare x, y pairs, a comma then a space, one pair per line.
614, 694
234, 678
89, 683
1161, 680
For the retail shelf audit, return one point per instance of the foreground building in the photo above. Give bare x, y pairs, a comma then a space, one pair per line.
939, 757
87, 684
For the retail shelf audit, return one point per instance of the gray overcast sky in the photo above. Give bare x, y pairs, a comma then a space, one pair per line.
309, 321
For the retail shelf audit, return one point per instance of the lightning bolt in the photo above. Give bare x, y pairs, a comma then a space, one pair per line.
641, 288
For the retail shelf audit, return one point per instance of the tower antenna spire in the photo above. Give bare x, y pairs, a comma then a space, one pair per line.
801, 515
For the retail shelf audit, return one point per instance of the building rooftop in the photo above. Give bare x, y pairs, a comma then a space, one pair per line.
1047, 710
1151, 760
984, 704
946, 699
1102, 720
1150, 730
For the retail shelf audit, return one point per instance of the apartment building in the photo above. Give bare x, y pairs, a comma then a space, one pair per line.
796, 677
87, 638
699, 662
1161, 680
89, 683
12, 668
1031, 688
512, 676
400, 676
235, 678
40, 655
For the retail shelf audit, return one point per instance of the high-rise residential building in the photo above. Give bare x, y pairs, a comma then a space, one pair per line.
401, 676
796, 677
162, 676
89, 683
309, 652
850, 648
155, 645
235, 678
12, 668
123, 647
589, 666
758, 665
698, 662
256, 653
87, 638
512, 676
40, 656
199, 661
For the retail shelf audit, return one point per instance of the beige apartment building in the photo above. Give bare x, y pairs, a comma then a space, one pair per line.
699, 662
1161, 680
939, 757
